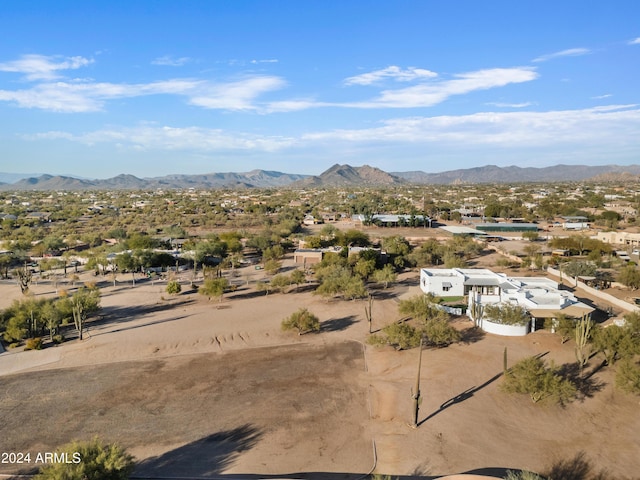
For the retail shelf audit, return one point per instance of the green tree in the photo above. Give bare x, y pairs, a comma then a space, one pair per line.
354, 238
385, 275
609, 341
429, 253
402, 336
576, 268
273, 253
353, 288
564, 326
451, 260
128, 262
397, 247
272, 266
298, 277
532, 377
439, 332
5, 264
364, 268
628, 376
214, 287
84, 303
337, 279
531, 236
52, 316
303, 321
173, 287
419, 306
630, 277
280, 282
90, 460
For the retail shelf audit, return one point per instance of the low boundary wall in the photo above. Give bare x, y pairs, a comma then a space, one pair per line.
626, 306
504, 330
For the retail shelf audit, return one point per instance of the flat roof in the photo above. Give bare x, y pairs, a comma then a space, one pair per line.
576, 310
514, 225
458, 230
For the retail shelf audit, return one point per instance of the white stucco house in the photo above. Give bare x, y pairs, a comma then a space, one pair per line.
539, 296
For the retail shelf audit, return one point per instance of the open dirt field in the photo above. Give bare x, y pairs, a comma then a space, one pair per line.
197, 388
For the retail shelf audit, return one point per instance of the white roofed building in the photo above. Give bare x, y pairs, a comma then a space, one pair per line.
539, 296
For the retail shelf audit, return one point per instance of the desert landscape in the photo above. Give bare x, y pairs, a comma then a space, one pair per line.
198, 388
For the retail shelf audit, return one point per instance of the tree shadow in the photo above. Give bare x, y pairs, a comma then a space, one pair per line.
461, 397
576, 468
337, 324
472, 335
384, 294
586, 385
124, 314
205, 457
247, 293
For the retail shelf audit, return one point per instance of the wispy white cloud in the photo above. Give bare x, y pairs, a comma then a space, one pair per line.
53, 93
635, 41
393, 73
156, 138
267, 60
77, 97
42, 67
294, 105
601, 97
239, 95
614, 124
612, 127
432, 93
509, 105
571, 52
170, 61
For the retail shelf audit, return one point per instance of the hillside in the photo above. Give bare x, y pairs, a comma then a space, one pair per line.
252, 179
514, 174
336, 176
343, 175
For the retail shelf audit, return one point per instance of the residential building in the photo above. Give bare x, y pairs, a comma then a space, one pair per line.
539, 296
619, 238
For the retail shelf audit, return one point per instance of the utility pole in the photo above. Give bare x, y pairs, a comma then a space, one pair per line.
416, 392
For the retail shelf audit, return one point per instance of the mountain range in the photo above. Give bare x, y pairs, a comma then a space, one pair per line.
336, 176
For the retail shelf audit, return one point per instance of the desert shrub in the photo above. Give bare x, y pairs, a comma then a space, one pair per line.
302, 320
440, 333
96, 461
522, 475
57, 339
505, 262
564, 326
14, 345
33, 344
214, 287
174, 287
532, 377
400, 335
628, 376
506, 314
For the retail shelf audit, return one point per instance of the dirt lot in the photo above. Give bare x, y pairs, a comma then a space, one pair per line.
257, 411
201, 388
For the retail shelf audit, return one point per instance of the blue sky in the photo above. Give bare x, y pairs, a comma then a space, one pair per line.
160, 87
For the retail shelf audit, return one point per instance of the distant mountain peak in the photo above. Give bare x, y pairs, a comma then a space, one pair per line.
344, 175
